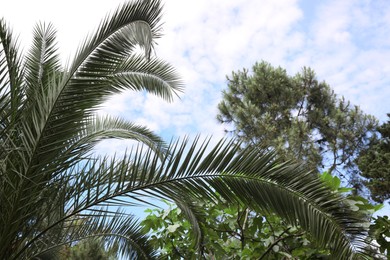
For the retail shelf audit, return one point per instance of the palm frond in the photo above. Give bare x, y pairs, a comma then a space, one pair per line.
246, 176
195, 217
95, 129
100, 128
42, 61
153, 75
11, 87
59, 112
116, 228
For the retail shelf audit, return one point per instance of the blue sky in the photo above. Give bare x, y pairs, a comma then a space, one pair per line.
346, 42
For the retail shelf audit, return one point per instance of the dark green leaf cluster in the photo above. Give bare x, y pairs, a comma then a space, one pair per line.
380, 230
374, 163
89, 249
237, 231
230, 232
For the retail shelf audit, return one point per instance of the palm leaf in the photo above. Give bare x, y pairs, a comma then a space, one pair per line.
195, 217
42, 60
11, 87
243, 175
117, 229
58, 113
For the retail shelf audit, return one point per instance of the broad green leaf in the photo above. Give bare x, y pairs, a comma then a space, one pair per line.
173, 228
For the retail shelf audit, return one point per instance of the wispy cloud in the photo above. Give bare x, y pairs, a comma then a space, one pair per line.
343, 41
346, 44
207, 40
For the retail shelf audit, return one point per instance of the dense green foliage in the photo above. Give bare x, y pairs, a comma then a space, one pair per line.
374, 163
230, 232
235, 231
380, 231
298, 116
89, 249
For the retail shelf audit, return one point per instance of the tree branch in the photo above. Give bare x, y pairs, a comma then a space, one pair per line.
277, 241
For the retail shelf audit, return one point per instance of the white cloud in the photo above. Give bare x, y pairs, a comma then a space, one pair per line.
207, 40
214, 38
345, 42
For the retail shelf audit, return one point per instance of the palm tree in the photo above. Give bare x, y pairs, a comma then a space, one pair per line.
54, 191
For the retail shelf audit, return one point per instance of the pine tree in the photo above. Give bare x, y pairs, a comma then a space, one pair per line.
374, 164
298, 116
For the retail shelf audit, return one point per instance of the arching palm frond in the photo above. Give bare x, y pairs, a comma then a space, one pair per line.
11, 86
59, 112
101, 128
116, 228
192, 171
